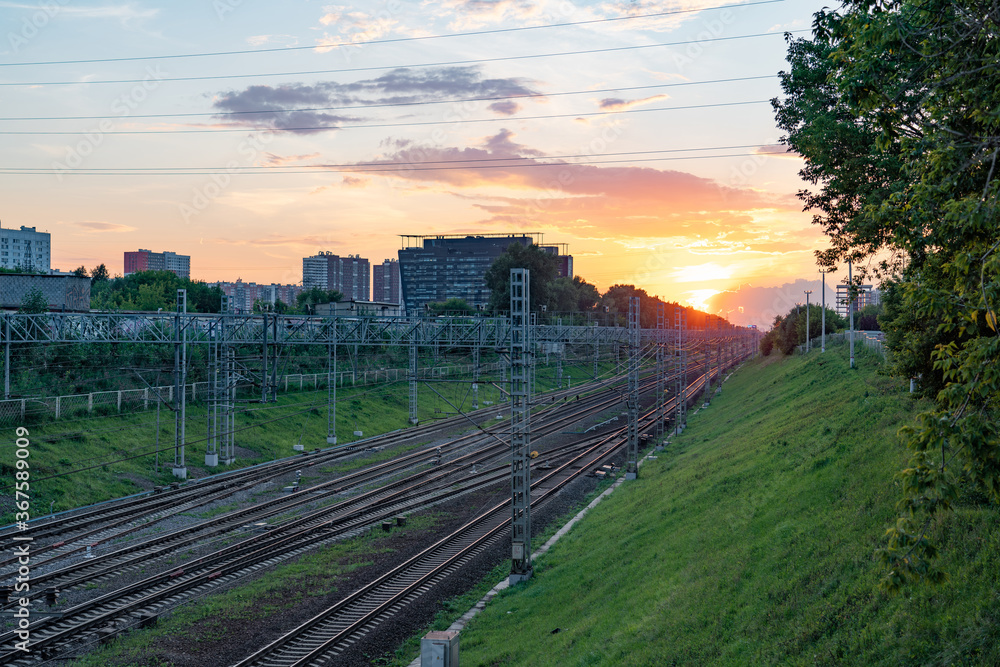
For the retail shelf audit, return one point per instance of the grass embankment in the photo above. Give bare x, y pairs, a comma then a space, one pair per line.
93, 458
751, 540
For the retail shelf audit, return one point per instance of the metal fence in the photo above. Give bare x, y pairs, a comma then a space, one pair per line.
137, 400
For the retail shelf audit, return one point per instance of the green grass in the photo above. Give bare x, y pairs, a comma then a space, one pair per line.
751, 540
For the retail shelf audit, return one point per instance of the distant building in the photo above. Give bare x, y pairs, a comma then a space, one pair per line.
25, 249
866, 297
244, 295
351, 275
147, 260
437, 268
385, 282
358, 309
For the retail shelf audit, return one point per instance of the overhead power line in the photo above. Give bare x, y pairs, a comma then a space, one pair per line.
403, 104
450, 63
319, 128
389, 169
415, 163
392, 40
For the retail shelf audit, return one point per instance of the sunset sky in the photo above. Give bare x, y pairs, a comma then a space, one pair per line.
641, 136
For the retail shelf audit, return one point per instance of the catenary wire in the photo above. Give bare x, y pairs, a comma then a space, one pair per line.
399, 104
450, 63
392, 40
319, 128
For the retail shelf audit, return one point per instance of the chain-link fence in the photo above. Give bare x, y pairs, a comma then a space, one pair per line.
47, 408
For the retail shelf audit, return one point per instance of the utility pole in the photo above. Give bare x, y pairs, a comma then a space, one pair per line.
632, 466
559, 356
807, 292
850, 305
180, 383
212, 413
660, 373
520, 425
413, 373
680, 366
822, 335
331, 386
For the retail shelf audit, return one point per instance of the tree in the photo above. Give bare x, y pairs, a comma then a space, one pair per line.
893, 106
543, 268
572, 295
307, 300
452, 306
99, 274
80, 272
34, 302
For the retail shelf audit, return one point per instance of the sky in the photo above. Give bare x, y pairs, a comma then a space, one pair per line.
249, 134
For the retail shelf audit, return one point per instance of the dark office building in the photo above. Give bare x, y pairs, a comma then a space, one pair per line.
437, 268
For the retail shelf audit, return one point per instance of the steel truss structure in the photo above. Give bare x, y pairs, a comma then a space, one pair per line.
520, 425
632, 464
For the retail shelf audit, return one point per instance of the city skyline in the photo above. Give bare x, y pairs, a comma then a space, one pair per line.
640, 135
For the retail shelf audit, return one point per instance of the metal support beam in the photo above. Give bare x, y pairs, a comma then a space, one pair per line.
597, 353
331, 391
180, 383
559, 360
228, 383
475, 377
214, 391
632, 465
660, 374
520, 425
6, 356
413, 382
680, 368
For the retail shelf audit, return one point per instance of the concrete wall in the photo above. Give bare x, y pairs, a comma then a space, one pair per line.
62, 292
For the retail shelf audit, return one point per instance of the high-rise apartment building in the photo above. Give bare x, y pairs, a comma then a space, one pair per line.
25, 249
385, 282
437, 268
349, 275
147, 260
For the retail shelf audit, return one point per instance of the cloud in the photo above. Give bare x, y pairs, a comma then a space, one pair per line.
777, 150
759, 305
297, 105
271, 159
618, 104
278, 240
471, 14
355, 182
125, 13
621, 200
505, 108
102, 227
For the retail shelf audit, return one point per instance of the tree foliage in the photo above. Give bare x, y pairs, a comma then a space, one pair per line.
151, 290
316, 295
34, 302
893, 104
452, 306
543, 270
790, 330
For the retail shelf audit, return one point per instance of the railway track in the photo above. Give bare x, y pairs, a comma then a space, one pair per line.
484, 449
108, 613
72, 533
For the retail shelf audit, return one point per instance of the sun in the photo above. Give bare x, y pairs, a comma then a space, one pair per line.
698, 299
